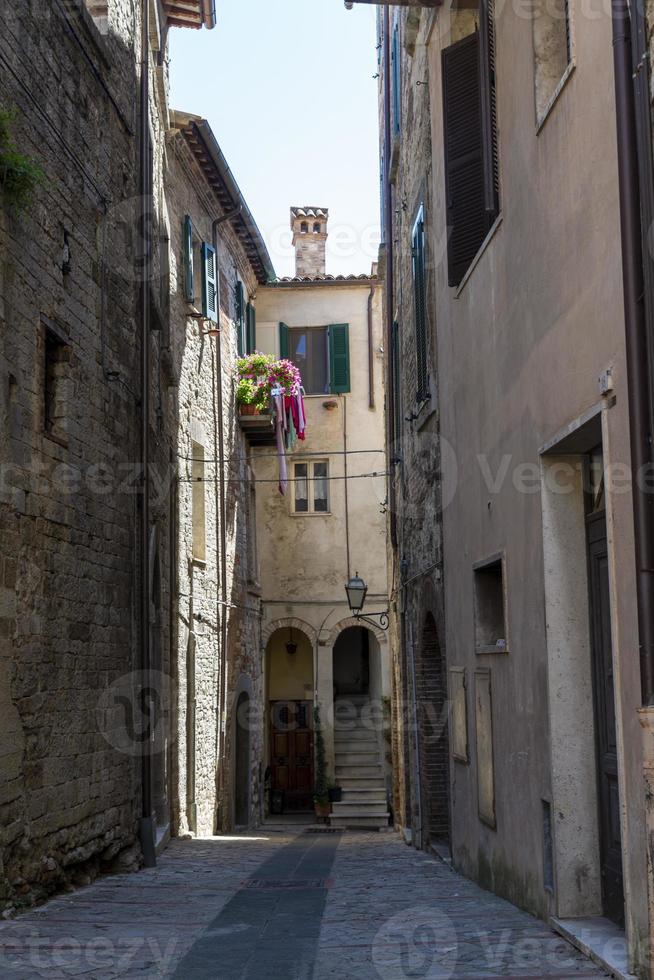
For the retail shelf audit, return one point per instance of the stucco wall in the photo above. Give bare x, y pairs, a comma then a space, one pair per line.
520, 348
304, 558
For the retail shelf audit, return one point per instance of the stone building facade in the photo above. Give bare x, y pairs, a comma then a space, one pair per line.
509, 389
83, 729
219, 606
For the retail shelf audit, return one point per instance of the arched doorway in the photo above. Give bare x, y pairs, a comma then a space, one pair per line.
290, 694
433, 733
242, 761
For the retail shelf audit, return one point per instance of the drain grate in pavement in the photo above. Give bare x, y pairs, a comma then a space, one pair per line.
285, 884
322, 830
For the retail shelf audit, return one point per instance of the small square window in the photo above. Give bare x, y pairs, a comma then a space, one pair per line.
490, 607
311, 482
198, 514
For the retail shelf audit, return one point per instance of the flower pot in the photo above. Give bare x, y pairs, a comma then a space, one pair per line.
322, 810
250, 410
335, 794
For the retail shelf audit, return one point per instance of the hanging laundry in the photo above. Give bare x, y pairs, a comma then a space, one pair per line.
280, 436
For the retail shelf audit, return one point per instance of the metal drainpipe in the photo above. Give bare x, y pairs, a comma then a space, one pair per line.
636, 333
390, 249
146, 825
222, 692
371, 365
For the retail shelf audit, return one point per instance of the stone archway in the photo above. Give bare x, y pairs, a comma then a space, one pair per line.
289, 671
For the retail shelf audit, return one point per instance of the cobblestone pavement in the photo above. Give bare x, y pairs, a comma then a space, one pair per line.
283, 904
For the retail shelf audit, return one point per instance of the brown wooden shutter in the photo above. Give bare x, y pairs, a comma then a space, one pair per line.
489, 107
467, 220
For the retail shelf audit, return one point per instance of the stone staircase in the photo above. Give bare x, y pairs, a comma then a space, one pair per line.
359, 770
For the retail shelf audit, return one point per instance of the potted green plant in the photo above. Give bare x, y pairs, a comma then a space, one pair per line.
258, 376
19, 174
252, 389
321, 785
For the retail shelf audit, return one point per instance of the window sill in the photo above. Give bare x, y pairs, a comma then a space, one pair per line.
540, 121
475, 262
199, 562
482, 651
311, 513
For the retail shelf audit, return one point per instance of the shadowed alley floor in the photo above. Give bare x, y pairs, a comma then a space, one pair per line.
281, 904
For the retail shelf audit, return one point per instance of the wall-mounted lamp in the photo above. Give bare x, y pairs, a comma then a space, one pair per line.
356, 591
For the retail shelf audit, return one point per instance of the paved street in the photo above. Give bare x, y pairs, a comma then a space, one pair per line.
285, 904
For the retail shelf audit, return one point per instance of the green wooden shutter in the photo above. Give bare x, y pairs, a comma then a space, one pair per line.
209, 291
251, 329
420, 302
284, 340
339, 358
396, 81
240, 316
189, 284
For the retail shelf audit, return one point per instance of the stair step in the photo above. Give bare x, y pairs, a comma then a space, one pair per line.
357, 758
358, 770
348, 780
377, 796
354, 735
355, 809
359, 822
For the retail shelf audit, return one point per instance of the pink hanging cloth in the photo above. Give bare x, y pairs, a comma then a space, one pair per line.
280, 425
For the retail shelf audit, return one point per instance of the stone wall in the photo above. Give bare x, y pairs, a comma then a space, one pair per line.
415, 555
200, 608
68, 797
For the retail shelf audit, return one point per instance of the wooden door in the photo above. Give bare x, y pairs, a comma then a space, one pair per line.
605, 725
291, 751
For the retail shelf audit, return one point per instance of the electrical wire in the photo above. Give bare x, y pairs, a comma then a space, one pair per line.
275, 455
297, 479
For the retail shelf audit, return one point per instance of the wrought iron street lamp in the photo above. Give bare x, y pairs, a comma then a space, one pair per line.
356, 591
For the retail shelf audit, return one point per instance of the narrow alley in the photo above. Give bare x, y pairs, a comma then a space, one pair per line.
289, 903
326, 489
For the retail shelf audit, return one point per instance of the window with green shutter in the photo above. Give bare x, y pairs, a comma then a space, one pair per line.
209, 283
284, 340
322, 355
339, 358
251, 328
240, 313
420, 302
396, 381
189, 282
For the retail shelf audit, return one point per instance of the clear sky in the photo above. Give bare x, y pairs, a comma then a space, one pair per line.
288, 90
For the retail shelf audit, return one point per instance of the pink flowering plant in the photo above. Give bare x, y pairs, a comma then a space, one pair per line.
258, 375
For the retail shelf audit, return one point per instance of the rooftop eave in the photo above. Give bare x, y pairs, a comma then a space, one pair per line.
209, 157
191, 13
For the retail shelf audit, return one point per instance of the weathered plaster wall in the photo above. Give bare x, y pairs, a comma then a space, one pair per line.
520, 349
304, 559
